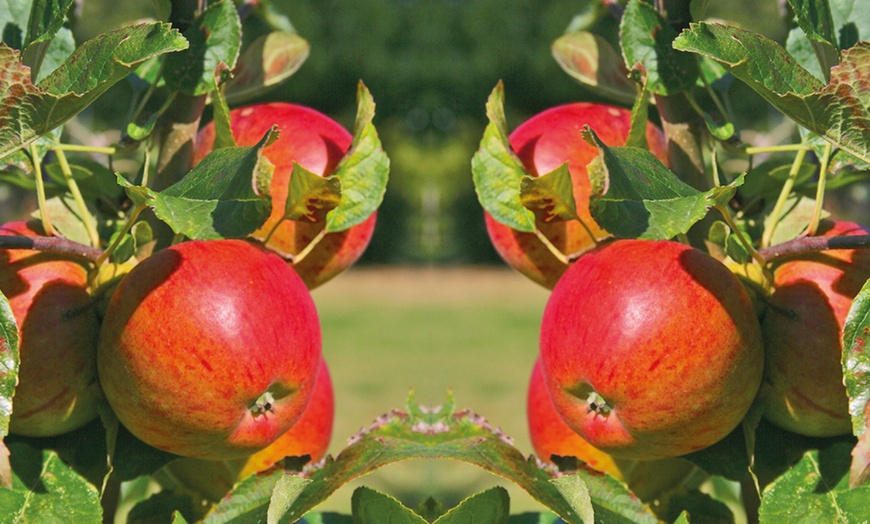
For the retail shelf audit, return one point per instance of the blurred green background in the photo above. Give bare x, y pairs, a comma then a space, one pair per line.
430, 305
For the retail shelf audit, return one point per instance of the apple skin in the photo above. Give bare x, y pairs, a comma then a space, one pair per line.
317, 143
58, 331
648, 479
193, 338
660, 334
310, 435
543, 143
803, 328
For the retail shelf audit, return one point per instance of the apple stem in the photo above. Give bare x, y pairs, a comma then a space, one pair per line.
73, 186
272, 231
295, 259
40, 191
553, 249
820, 191
756, 256
127, 225
807, 244
776, 213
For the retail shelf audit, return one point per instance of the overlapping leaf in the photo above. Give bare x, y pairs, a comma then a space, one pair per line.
635, 196
268, 61
856, 373
592, 61
838, 111
219, 198
497, 172
32, 110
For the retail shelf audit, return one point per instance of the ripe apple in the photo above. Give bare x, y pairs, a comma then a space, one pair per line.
651, 349
648, 479
310, 435
803, 329
543, 143
209, 349
317, 143
58, 330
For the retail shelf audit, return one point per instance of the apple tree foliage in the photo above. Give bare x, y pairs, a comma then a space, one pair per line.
820, 79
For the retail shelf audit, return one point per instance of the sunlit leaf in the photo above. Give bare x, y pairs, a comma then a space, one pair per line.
550, 196
311, 196
497, 172
268, 61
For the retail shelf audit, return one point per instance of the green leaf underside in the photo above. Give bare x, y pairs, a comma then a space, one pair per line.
646, 38
269, 60
8, 362
816, 489
311, 196
551, 196
635, 196
215, 41
816, 21
216, 199
373, 507
363, 171
838, 111
439, 433
592, 61
498, 173
32, 110
44, 489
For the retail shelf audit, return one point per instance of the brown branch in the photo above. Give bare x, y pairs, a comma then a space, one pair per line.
802, 245
59, 245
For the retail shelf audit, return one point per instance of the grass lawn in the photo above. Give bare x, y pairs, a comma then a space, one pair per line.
473, 331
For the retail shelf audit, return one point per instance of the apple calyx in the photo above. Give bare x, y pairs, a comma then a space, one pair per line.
265, 403
597, 404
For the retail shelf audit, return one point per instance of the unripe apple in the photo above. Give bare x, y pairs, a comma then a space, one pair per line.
648, 479
803, 329
651, 349
209, 349
58, 330
310, 435
543, 143
317, 143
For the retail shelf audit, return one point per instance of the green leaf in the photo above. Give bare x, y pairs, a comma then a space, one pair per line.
326, 518
639, 112
838, 111
162, 507
444, 433
373, 507
14, 17
816, 489
249, 500
815, 19
430, 509
61, 47
592, 61
215, 40
66, 218
268, 61
635, 196
46, 19
216, 199
576, 493
286, 491
44, 489
646, 38
29, 110
550, 196
363, 171
8, 363
694, 506
535, 518
223, 133
497, 172
490, 506
311, 196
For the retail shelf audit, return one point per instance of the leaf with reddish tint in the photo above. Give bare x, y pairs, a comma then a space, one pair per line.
856, 373
8, 380
838, 111
592, 61
269, 60
311, 196
550, 196
29, 110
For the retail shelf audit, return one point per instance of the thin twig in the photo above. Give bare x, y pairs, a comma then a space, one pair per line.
802, 245
59, 245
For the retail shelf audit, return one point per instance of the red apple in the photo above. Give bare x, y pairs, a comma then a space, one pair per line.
803, 329
651, 349
210, 349
58, 330
648, 479
310, 435
543, 143
317, 143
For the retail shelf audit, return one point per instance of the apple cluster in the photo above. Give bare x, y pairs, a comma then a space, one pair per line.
207, 349
653, 349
